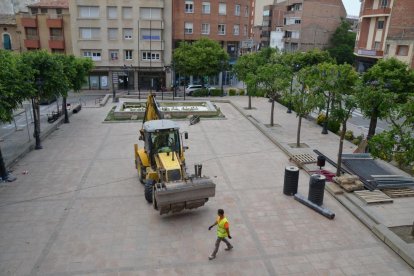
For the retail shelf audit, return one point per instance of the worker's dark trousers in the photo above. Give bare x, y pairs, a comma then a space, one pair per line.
218, 244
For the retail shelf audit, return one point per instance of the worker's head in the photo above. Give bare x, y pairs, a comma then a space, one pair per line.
220, 212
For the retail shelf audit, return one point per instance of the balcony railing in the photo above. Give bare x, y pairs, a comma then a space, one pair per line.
54, 22
380, 11
56, 44
370, 53
56, 37
32, 37
29, 22
32, 43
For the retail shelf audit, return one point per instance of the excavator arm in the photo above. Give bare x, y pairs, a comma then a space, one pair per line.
152, 111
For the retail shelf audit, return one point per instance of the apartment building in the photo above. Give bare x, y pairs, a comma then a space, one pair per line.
128, 40
300, 25
46, 26
386, 29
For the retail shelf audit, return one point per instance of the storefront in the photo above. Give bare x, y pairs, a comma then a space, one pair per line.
97, 81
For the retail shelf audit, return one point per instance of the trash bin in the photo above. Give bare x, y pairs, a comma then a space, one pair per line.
316, 188
321, 161
290, 186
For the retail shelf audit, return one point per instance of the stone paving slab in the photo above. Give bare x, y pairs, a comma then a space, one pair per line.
98, 223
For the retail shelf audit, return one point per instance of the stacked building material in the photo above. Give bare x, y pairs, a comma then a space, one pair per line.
349, 183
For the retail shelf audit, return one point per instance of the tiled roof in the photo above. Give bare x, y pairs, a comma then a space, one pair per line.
62, 4
7, 19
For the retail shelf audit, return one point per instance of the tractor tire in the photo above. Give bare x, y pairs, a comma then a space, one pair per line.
149, 187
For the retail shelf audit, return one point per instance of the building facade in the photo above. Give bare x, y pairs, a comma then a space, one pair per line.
46, 26
301, 25
11, 38
128, 40
386, 29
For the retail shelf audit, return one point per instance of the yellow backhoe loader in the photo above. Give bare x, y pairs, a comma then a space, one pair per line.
161, 165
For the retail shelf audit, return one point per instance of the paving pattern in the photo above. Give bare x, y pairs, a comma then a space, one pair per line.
80, 210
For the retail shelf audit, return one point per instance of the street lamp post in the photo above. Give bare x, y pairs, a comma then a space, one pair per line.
222, 77
126, 70
296, 68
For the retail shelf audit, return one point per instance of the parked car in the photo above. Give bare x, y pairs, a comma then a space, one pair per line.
190, 89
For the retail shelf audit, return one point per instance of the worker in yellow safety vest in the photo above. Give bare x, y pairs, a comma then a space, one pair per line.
223, 231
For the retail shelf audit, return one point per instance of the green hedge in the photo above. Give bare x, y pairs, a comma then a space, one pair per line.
232, 92
241, 92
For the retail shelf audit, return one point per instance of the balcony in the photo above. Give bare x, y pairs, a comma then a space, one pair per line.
32, 42
376, 12
29, 22
54, 22
370, 53
56, 42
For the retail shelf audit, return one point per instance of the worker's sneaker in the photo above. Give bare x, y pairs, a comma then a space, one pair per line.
211, 257
229, 248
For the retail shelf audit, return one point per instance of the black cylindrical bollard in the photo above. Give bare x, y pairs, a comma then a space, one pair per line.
316, 188
76, 109
321, 161
290, 186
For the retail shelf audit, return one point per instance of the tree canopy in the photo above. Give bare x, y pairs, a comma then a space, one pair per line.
342, 44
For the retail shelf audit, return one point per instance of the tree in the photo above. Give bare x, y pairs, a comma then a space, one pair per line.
342, 44
398, 142
274, 79
344, 102
204, 57
13, 90
383, 87
44, 74
75, 71
246, 70
303, 98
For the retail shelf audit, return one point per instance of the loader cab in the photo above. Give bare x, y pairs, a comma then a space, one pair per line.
161, 136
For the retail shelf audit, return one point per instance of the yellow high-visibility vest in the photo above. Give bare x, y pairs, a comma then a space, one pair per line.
221, 231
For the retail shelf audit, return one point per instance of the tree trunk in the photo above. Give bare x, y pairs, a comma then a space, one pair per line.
250, 102
36, 117
298, 133
3, 170
65, 110
372, 124
272, 112
341, 146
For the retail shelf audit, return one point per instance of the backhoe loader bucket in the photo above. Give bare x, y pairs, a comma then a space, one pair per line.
177, 196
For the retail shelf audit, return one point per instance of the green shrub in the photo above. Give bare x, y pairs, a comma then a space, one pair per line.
321, 119
232, 92
349, 135
200, 93
356, 141
241, 92
334, 126
215, 92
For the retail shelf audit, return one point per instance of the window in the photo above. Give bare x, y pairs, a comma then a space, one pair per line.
221, 29
189, 6
245, 30
33, 10
128, 54
205, 28
113, 54
58, 11
377, 45
387, 49
384, 4
380, 25
205, 7
127, 33
126, 12
246, 11
7, 42
222, 8
148, 34
297, 21
188, 28
112, 34
88, 11
89, 33
402, 50
56, 34
31, 33
236, 29
112, 12
95, 55
150, 13
237, 10
43, 10
150, 56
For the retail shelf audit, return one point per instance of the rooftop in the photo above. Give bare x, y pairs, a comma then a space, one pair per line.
63, 4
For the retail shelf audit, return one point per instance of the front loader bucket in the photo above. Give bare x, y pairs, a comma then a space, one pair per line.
177, 196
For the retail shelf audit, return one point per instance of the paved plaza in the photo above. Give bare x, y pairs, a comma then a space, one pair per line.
80, 209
